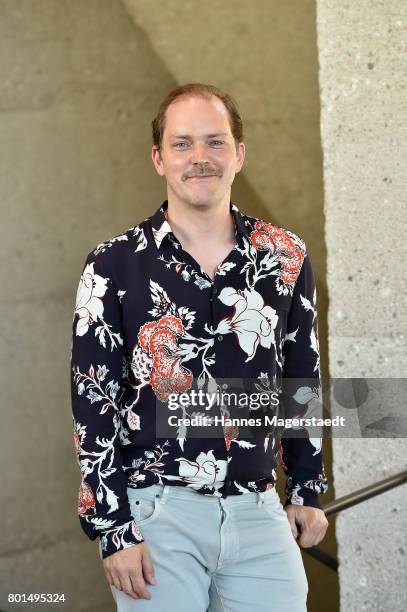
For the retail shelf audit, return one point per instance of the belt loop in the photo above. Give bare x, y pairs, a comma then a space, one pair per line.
259, 498
165, 493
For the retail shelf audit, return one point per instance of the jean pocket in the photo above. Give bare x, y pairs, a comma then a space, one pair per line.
144, 506
274, 508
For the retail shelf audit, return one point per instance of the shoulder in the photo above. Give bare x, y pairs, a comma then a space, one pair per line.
274, 243
132, 238
266, 236
112, 257
115, 249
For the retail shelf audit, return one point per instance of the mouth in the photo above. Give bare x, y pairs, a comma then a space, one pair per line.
202, 176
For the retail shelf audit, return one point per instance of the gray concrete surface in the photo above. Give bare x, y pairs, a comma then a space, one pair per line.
77, 89
362, 55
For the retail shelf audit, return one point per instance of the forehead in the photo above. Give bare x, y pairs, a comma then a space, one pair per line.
195, 114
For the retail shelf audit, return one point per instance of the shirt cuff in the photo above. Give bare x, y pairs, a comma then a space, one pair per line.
119, 538
303, 497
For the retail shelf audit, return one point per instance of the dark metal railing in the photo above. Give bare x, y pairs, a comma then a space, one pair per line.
357, 497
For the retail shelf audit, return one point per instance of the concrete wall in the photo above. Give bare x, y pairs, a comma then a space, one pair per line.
77, 89
81, 81
362, 54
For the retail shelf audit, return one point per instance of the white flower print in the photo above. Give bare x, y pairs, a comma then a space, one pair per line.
95, 461
310, 397
205, 471
187, 271
89, 306
314, 343
252, 321
103, 246
295, 497
118, 536
141, 239
120, 295
161, 232
153, 462
92, 381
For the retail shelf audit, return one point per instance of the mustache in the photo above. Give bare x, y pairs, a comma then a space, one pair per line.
200, 171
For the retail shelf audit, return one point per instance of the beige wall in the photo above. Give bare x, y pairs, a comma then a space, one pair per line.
81, 81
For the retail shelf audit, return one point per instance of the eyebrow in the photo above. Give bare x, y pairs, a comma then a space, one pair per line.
208, 135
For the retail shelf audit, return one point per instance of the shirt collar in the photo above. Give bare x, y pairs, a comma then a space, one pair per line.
161, 228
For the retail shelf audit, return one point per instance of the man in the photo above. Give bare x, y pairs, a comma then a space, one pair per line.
196, 294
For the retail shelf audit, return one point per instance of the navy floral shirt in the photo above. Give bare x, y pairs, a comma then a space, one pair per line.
148, 322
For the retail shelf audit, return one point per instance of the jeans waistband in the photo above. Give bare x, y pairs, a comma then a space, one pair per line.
166, 491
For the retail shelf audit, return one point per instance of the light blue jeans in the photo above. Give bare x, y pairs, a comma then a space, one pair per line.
221, 555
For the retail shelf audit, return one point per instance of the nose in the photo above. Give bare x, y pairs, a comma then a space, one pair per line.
199, 154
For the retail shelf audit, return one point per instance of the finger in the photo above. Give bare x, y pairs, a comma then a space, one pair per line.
294, 529
291, 520
305, 540
309, 535
148, 568
318, 539
321, 533
116, 581
128, 587
109, 577
139, 586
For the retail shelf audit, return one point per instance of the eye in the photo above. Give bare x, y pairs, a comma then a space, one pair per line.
178, 145
217, 142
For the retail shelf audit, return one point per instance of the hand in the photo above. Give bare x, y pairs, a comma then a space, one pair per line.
312, 522
124, 570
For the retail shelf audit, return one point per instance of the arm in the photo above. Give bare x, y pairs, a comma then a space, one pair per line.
301, 458
96, 375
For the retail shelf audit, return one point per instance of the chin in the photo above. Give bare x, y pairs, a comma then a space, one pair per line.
201, 200
203, 197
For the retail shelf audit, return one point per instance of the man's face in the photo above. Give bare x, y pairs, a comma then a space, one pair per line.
199, 158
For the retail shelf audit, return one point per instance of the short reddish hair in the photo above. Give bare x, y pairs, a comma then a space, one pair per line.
206, 92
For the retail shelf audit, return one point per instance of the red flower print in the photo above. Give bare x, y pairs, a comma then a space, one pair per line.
231, 433
85, 498
268, 237
144, 335
162, 337
159, 340
280, 455
77, 442
172, 323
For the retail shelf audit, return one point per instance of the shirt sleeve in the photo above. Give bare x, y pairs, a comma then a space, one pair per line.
96, 388
301, 457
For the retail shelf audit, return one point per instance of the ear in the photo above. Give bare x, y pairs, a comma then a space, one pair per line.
240, 155
157, 160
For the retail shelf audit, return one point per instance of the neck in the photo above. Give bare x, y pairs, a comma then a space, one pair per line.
208, 225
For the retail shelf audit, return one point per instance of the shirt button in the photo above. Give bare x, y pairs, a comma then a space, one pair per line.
224, 386
214, 290
220, 338
229, 483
